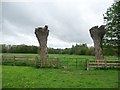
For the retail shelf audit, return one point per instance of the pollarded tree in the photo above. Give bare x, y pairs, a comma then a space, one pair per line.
97, 34
42, 34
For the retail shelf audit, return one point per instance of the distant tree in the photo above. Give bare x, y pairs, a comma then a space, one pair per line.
0, 48
80, 49
90, 51
4, 48
108, 50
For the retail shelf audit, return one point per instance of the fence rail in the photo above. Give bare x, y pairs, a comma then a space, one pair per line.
65, 63
92, 64
17, 60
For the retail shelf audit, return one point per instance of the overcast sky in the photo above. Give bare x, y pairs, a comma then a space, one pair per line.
69, 21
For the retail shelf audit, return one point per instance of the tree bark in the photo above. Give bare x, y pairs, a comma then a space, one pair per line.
42, 34
97, 34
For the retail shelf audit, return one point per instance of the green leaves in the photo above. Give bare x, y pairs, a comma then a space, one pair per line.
112, 20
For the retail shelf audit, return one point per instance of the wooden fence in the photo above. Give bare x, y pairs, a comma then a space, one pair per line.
92, 64
18, 60
51, 62
64, 63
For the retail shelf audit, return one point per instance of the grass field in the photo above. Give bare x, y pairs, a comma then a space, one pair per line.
31, 77
82, 57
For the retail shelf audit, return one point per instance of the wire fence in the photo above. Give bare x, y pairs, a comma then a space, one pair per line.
73, 63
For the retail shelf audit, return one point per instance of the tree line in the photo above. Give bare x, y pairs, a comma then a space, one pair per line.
18, 48
78, 49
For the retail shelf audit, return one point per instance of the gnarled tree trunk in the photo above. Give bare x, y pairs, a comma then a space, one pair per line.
42, 34
97, 34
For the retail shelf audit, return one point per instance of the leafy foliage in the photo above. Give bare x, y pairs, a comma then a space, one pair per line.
19, 48
78, 49
112, 19
81, 49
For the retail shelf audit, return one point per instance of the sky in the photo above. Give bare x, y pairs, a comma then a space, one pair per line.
69, 21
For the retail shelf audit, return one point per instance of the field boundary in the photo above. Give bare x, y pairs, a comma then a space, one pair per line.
63, 63
14, 60
92, 64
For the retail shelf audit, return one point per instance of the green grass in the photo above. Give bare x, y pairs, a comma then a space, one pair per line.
30, 77
82, 57
19, 54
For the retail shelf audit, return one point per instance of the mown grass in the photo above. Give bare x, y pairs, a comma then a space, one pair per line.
30, 77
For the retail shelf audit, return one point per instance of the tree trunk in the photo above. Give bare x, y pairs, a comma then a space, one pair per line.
97, 34
42, 34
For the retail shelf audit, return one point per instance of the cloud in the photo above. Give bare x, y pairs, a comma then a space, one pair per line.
69, 21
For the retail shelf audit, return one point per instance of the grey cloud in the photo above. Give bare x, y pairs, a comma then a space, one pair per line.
69, 22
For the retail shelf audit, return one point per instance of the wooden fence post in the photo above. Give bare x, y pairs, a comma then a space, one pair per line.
1, 60
87, 64
58, 62
105, 63
67, 63
76, 63
14, 60
35, 61
2, 57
